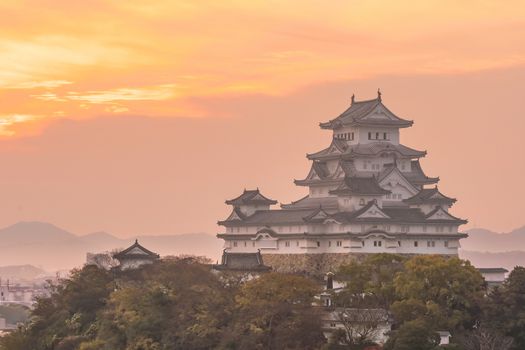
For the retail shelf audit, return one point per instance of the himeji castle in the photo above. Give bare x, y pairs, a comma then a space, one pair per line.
367, 193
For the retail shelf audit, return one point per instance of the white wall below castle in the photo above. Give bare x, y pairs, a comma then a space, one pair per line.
371, 245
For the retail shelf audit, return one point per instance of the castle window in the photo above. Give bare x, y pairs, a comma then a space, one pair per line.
352, 136
329, 243
431, 244
235, 243
446, 244
377, 136
339, 243
318, 243
245, 243
369, 135
377, 243
415, 244
399, 243
384, 136
363, 243
362, 201
287, 243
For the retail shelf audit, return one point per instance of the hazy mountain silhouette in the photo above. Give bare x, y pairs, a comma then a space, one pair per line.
507, 260
21, 273
52, 248
487, 241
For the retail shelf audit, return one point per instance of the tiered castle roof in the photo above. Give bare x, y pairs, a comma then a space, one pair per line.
339, 171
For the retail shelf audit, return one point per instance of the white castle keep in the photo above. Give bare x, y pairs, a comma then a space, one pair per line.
367, 193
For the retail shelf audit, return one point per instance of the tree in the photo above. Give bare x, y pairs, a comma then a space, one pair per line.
373, 280
175, 304
413, 335
484, 338
361, 326
446, 292
513, 308
275, 311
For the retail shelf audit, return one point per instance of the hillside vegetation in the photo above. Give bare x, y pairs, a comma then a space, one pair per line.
182, 304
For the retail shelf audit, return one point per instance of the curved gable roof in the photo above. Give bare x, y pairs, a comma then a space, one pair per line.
251, 197
361, 112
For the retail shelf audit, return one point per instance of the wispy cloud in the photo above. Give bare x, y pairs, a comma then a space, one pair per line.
48, 84
152, 93
48, 96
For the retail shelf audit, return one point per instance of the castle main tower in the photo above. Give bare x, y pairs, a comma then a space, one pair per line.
367, 193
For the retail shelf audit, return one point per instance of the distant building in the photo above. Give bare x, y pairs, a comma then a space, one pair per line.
494, 276
135, 256
367, 193
20, 294
444, 337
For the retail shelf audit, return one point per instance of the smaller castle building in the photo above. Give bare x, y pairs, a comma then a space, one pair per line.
135, 256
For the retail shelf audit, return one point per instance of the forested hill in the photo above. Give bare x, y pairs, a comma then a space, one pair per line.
182, 304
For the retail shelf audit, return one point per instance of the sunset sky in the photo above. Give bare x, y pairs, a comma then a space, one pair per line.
142, 117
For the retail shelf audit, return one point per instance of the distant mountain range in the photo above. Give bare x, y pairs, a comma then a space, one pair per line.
487, 241
51, 248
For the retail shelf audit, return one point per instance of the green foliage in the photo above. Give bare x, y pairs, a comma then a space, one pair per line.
373, 278
447, 292
274, 312
413, 335
182, 304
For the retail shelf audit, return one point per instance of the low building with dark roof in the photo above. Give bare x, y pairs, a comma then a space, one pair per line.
242, 262
367, 193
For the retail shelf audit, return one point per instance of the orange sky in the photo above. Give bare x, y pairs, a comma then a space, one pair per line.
113, 112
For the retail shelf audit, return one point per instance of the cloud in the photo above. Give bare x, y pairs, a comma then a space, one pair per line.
49, 84
152, 93
48, 96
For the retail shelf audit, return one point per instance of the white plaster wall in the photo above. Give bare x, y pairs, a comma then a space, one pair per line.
300, 245
135, 263
392, 135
